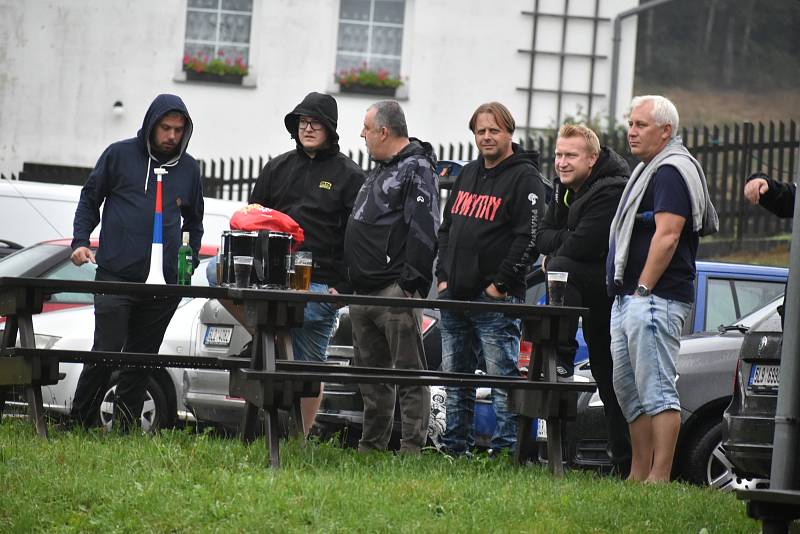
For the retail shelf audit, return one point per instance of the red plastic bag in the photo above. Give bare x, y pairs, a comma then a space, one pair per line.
255, 217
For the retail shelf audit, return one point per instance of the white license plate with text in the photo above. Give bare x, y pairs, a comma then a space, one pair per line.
218, 336
765, 376
541, 430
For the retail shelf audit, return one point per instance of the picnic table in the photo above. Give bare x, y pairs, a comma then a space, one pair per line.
270, 379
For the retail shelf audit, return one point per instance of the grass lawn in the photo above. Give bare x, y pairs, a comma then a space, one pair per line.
183, 482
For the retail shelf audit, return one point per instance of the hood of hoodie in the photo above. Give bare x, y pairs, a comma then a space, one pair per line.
519, 156
323, 108
609, 164
161, 105
415, 147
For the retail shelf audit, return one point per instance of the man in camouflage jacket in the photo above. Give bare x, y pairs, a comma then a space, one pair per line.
389, 248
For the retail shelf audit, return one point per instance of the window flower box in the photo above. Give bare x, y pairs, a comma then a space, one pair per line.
200, 68
367, 81
210, 77
368, 89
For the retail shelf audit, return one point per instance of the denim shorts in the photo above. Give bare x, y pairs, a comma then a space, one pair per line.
310, 342
645, 341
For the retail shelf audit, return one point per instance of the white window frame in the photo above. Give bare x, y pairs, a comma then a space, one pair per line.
217, 43
250, 79
370, 25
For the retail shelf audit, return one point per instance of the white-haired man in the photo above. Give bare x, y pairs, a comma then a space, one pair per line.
650, 270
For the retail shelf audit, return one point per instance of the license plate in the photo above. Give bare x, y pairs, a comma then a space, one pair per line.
218, 336
541, 430
765, 376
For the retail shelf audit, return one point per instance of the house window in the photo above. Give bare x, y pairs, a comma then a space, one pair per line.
371, 32
218, 28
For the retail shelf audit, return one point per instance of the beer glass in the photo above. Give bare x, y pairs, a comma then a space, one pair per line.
220, 267
556, 285
242, 265
300, 277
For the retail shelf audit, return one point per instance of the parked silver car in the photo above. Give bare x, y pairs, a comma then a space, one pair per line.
706, 364
73, 329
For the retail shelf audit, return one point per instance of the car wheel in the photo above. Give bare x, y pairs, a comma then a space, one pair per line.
706, 463
154, 411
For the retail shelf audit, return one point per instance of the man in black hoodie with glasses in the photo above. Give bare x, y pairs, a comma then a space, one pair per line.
574, 235
123, 182
487, 242
316, 185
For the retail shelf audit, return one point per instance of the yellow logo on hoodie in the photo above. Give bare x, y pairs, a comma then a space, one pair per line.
325, 185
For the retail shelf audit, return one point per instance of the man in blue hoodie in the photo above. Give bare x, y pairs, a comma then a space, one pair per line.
123, 182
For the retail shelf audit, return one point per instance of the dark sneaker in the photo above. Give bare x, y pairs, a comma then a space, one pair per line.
563, 374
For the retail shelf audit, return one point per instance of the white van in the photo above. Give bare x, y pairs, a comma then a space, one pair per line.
31, 212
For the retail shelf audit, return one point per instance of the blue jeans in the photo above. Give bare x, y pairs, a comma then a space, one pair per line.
310, 341
645, 341
465, 337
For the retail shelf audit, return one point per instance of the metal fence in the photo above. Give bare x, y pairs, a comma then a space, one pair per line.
729, 154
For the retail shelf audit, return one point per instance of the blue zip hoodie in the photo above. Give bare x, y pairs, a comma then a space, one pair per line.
123, 182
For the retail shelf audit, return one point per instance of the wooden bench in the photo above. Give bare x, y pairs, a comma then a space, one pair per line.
270, 379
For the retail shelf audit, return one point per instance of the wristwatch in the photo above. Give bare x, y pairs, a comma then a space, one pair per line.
501, 287
642, 290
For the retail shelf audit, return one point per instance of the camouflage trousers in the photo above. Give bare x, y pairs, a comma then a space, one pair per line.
391, 338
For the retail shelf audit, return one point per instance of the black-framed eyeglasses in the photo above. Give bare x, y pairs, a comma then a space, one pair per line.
305, 123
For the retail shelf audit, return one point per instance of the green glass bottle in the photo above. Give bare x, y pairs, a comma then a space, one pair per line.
185, 262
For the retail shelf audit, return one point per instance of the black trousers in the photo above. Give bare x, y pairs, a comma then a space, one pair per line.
590, 292
122, 323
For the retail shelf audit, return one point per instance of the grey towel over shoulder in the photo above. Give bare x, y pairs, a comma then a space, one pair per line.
704, 216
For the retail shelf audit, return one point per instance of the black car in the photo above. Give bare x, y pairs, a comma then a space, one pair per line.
750, 417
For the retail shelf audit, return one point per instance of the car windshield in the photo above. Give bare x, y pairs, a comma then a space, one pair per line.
18, 263
749, 320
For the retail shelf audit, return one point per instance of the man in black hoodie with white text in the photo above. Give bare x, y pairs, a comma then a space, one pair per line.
487, 242
574, 236
316, 185
123, 182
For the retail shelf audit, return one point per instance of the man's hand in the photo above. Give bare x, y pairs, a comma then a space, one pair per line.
441, 287
82, 255
332, 291
754, 189
492, 291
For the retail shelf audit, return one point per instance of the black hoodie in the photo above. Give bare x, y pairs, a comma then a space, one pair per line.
489, 228
123, 182
316, 192
574, 234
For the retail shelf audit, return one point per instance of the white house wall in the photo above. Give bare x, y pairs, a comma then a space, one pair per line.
63, 64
